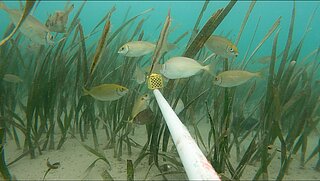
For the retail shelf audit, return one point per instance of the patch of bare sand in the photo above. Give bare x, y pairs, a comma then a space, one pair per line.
74, 160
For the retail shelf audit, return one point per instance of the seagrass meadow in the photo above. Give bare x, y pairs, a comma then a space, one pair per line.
74, 100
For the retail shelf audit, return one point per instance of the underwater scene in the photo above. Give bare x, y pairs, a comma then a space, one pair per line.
80, 82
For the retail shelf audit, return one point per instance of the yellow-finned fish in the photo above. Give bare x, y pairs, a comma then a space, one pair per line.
140, 104
58, 21
12, 78
140, 48
233, 78
107, 92
221, 46
144, 117
31, 27
182, 67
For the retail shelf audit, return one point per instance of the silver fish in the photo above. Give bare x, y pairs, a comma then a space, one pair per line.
182, 67
31, 27
136, 48
58, 21
233, 78
140, 48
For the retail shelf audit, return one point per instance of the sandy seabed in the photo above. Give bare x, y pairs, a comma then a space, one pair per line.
74, 160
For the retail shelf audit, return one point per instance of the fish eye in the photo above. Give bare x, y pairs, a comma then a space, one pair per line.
49, 36
144, 97
231, 49
122, 48
216, 78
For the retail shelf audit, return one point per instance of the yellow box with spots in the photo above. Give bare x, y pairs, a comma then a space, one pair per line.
155, 81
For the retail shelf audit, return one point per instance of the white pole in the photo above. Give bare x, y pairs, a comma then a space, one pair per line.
194, 162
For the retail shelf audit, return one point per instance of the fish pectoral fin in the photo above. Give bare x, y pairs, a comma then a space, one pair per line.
210, 68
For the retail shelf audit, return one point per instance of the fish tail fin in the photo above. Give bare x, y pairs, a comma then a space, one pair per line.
3, 6
85, 91
259, 74
263, 73
210, 68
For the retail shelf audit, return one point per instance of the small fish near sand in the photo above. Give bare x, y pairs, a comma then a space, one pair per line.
140, 48
141, 103
232, 78
222, 46
144, 117
12, 78
31, 27
57, 22
182, 67
107, 92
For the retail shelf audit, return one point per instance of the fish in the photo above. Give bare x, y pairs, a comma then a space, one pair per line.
31, 27
106, 92
139, 75
263, 60
140, 48
232, 78
58, 21
182, 67
222, 46
144, 117
140, 104
136, 48
12, 78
